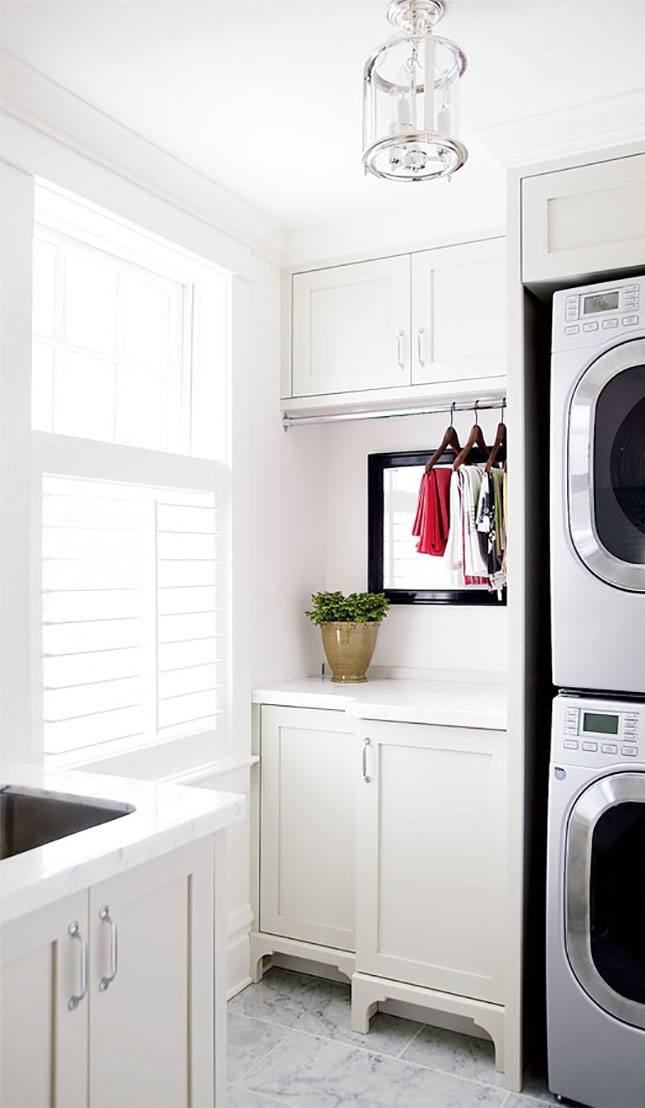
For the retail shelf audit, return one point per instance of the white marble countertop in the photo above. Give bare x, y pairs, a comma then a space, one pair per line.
451, 703
165, 817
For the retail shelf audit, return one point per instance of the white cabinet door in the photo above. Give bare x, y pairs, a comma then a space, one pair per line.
151, 1013
431, 857
583, 221
307, 826
459, 312
351, 327
43, 1033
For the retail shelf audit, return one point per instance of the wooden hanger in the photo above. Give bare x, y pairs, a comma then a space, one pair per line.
475, 438
500, 442
450, 441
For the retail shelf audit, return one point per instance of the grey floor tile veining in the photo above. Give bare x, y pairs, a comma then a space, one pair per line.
291, 1043
243, 1098
319, 1007
309, 1072
448, 1052
249, 1041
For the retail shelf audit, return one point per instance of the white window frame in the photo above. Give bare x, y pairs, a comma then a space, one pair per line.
66, 455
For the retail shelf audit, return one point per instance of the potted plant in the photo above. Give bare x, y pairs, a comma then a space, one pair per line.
349, 625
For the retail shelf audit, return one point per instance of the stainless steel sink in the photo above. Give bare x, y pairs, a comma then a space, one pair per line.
32, 817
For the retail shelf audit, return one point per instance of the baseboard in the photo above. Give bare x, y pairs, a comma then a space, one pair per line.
237, 949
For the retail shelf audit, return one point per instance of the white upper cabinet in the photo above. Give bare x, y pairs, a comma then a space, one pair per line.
351, 327
585, 220
308, 812
397, 330
459, 312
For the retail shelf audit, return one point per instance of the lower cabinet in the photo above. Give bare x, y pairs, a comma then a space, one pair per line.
127, 972
431, 857
307, 826
387, 839
44, 1007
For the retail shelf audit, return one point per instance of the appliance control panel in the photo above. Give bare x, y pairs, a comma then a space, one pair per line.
593, 732
597, 315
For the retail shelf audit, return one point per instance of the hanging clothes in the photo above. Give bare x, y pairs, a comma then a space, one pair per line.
490, 525
475, 559
432, 520
455, 546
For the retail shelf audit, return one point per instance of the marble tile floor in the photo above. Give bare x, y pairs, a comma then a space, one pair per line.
290, 1043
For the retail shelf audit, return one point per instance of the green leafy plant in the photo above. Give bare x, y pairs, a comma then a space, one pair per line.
357, 607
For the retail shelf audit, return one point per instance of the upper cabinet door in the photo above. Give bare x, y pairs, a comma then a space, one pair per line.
151, 984
459, 312
351, 327
581, 221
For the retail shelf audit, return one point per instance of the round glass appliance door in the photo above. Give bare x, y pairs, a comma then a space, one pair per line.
606, 471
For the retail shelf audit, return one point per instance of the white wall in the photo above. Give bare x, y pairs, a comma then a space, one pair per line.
276, 544
424, 637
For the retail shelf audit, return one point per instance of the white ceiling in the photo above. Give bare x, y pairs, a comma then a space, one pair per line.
264, 96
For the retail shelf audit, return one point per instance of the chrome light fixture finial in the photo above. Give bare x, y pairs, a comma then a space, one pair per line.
410, 101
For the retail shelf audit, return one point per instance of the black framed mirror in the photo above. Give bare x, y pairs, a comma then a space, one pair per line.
394, 565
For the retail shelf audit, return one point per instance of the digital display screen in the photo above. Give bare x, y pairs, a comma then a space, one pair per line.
600, 302
600, 724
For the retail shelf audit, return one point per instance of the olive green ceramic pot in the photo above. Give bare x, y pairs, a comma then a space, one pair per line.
349, 648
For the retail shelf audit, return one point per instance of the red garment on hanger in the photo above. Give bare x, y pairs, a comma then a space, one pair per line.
432, 521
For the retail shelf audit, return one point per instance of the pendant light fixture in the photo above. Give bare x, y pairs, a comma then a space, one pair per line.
410, 98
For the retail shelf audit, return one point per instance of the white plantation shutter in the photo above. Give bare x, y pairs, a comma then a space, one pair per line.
132, 614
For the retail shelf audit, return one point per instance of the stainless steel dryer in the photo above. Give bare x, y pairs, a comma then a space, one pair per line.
598, 487
596, 902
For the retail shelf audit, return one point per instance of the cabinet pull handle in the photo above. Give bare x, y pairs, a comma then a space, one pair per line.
399, 349
420, 338
74, 932
366, 776
105, 916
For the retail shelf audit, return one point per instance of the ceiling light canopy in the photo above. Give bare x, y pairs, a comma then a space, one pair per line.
410, 98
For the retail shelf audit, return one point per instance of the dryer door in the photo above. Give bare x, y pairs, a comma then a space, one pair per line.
605, 905
606, 466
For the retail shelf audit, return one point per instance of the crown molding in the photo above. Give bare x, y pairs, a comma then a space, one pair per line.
36, 101
596, 124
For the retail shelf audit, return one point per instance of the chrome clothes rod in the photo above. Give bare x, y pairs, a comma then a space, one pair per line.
489, 404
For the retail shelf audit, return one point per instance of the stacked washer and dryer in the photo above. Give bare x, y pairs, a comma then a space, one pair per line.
596, 822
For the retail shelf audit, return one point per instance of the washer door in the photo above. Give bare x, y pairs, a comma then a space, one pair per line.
605, 894
606, 465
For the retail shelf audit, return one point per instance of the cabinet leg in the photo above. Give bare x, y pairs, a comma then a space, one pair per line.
364, 1006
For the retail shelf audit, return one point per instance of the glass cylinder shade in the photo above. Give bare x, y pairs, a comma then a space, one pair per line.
410, 109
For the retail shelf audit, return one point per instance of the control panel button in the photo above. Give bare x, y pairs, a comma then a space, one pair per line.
593, 326
571, 744
609, 748
629, 751
574, 330
608, 324
629, 320
590, 746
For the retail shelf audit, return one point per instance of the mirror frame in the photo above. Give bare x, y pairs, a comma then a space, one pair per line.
376, 466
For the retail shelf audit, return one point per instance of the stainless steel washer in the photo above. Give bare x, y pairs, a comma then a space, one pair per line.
598, 487
596, 902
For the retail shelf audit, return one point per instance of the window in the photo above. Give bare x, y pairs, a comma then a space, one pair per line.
130, 613
127, 333
128, 381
